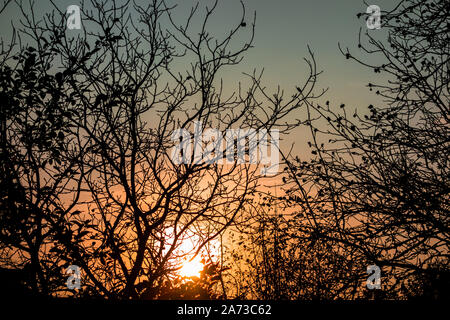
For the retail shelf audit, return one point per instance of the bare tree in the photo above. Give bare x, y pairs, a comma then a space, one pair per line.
131, 78
378, 181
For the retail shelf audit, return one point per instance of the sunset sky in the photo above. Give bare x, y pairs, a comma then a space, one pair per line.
283, 31
101, 171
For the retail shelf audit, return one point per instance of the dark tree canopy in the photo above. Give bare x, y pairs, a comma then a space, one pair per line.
88, 176
87, 125
378, 180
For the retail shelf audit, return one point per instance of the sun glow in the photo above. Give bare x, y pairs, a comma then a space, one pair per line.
187, 245
191, 268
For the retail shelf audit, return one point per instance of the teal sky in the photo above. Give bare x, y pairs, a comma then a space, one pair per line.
283, 30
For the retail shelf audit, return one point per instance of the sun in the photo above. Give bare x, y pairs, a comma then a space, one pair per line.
188, 260
191, 268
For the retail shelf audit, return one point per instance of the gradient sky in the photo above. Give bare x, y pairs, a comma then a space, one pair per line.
283, 30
